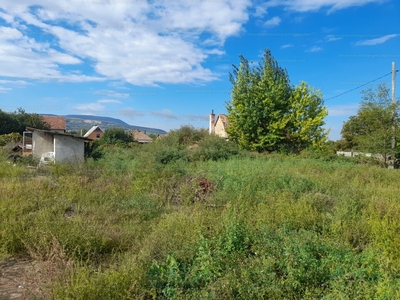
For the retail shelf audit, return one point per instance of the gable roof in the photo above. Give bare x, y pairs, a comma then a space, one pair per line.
141, 137
91, 130
56, 122
223, 119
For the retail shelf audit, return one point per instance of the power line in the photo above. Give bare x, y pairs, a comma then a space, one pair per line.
360, 86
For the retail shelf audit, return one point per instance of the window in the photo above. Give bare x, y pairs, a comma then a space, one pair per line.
98, 135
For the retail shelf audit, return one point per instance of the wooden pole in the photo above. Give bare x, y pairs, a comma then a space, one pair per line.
393, 114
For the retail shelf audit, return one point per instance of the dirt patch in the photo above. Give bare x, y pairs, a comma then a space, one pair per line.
17, 279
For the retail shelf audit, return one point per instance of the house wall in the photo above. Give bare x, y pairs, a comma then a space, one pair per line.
42, 142
219, 129
68, 149
94, 134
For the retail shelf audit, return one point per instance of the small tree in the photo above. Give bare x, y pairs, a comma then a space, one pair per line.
116, 136
184, 136
371, 130
29, 120
8, 123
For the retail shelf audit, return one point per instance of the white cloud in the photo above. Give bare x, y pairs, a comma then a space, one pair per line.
192, 117
20, 83
286, 46
260, 11
112, 94
130, 41
165, 113
109, 101
89, 108
314, 49
275, 21
377, 41
4, 89
130, 112
24, 57
6, 17
343, 110
314, 5
331, 38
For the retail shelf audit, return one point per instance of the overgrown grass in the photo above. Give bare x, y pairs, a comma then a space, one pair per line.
171, 220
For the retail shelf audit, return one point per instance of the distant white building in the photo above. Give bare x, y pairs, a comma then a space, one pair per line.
218, 126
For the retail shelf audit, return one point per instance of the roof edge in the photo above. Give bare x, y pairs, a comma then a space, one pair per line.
58, 133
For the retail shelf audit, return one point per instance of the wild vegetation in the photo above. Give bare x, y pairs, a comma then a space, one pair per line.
191, 216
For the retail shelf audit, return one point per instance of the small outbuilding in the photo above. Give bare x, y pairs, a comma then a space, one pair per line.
65, 147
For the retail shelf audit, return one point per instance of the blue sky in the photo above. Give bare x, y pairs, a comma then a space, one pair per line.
164, 64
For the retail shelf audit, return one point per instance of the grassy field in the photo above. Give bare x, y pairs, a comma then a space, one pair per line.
167, 221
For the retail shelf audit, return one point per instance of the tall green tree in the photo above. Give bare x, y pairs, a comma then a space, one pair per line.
8, 123
18, 121
29, 120
304, 120
266, 113
371, 130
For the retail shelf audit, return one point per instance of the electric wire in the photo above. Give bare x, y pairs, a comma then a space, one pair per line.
359, 86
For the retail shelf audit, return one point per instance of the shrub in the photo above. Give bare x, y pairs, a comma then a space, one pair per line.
213, 147
184, 136
115, 136
170, 154
14, 137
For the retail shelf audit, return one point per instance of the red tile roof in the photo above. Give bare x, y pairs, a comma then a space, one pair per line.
55, 122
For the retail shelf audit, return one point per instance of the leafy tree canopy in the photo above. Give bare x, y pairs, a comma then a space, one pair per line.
267, 113
19, 120
372, 128
116, 136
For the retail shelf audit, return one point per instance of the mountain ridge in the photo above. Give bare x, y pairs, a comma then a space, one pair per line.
78, 122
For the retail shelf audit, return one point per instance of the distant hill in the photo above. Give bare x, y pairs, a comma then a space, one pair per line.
78, 122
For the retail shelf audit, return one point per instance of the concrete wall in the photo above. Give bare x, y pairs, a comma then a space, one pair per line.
68, 149
42, 142
220, 129
352, 154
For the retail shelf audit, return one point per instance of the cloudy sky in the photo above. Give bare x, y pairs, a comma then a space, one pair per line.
166, 63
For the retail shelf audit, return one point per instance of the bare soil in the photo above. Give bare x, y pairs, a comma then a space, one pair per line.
18, 279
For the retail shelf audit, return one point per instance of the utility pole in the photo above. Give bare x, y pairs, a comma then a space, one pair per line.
391, 166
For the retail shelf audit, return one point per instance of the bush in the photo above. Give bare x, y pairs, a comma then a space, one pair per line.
184, 136
14, 137
213, 147
116, 136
